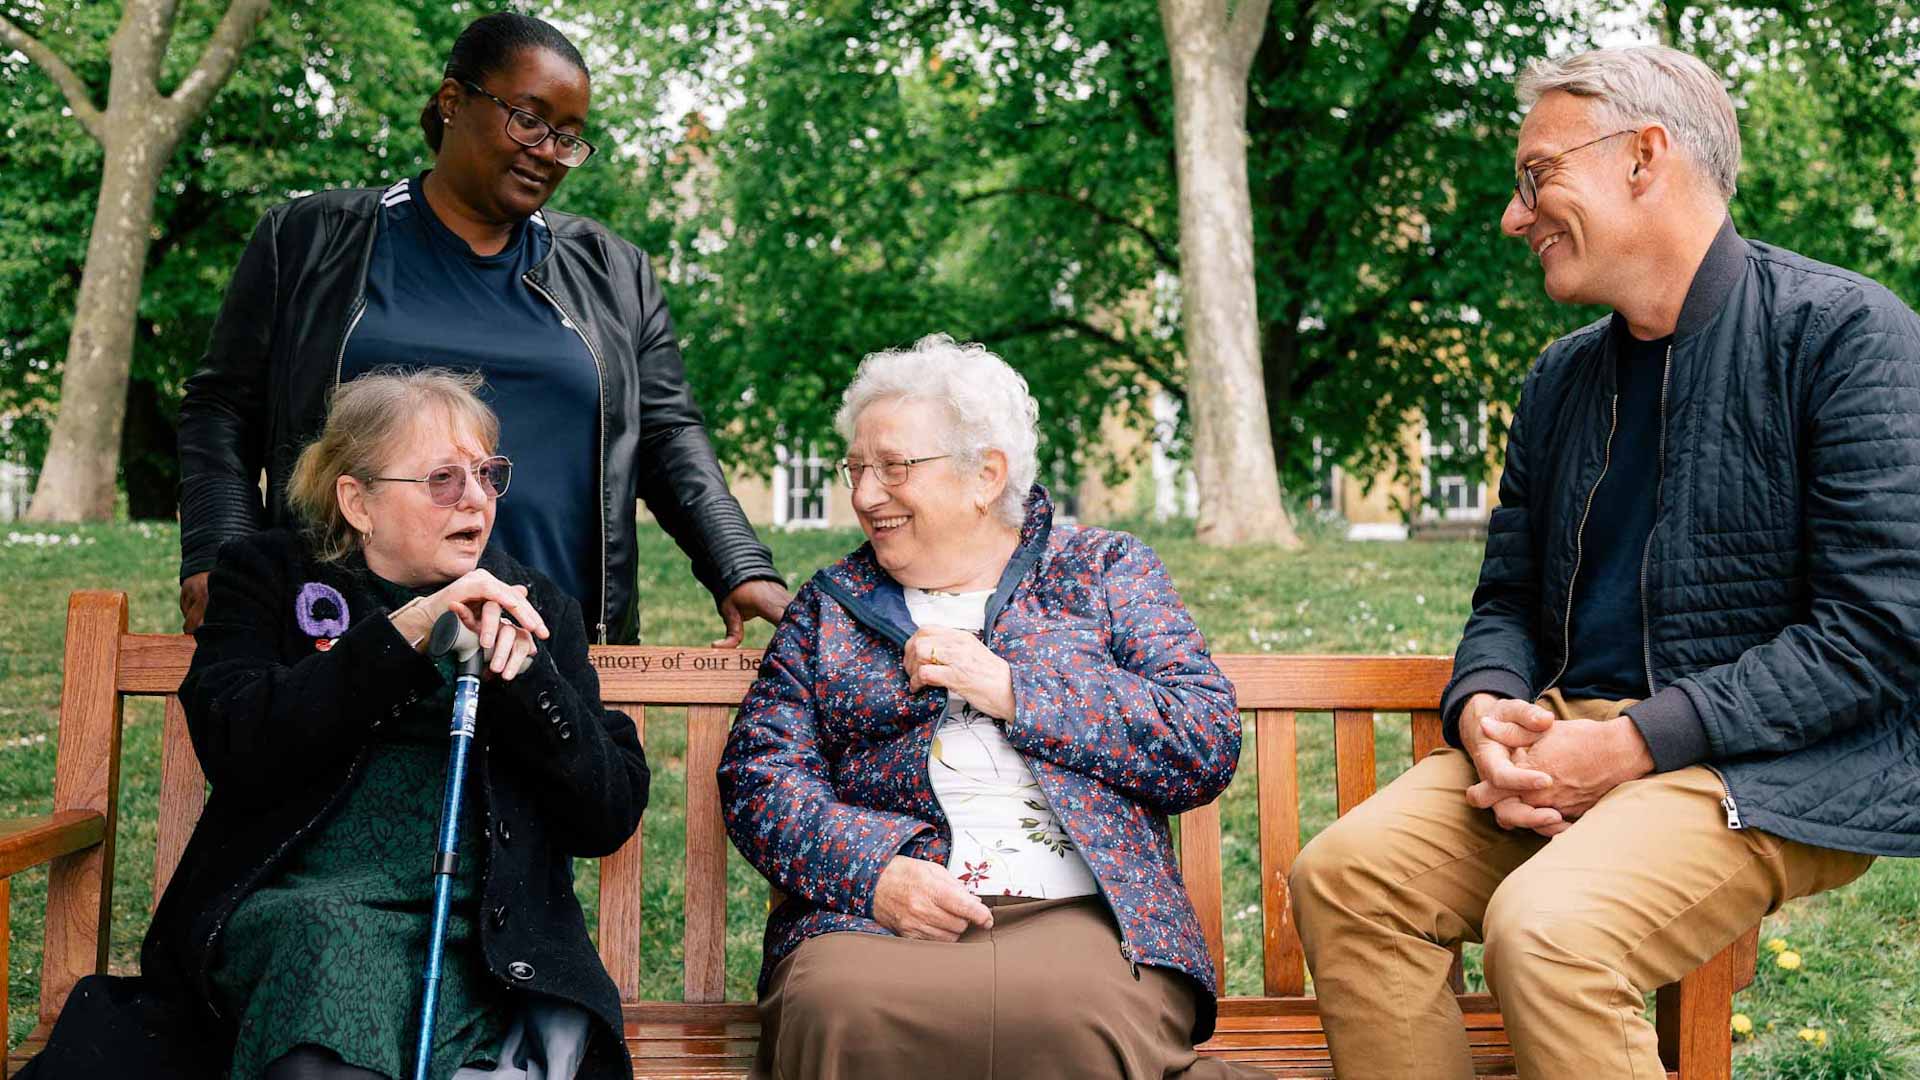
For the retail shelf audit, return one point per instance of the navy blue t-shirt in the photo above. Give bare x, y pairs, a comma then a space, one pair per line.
1607, 643
432, 302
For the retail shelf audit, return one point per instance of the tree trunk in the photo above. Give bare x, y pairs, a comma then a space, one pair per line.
78, 479
138, 130
1233, 459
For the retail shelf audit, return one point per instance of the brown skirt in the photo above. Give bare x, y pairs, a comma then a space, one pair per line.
1044, 993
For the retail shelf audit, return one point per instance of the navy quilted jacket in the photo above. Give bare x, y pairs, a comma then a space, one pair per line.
1781, 605
1119, 710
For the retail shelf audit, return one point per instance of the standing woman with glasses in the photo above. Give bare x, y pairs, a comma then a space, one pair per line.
461, 267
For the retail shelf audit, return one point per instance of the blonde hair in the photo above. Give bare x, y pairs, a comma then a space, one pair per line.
365, 422
1651, 84
987, 404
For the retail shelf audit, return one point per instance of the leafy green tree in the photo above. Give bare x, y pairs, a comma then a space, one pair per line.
1006, 173
137, 131
326, 95
1829, 99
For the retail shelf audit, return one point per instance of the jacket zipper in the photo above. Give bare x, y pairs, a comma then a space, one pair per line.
866, 616
359, 306
1726, 800
353, 320
253, 876
1580, 547
600, 373
1646, 553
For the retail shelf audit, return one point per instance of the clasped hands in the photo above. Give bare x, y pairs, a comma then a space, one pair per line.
1539, 772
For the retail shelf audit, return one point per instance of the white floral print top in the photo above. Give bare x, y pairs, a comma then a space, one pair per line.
1006, 840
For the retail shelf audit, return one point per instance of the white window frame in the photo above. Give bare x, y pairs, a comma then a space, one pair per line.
1430, 510
1330, 503
784, 478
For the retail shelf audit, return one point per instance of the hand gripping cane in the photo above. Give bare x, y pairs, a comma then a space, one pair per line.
449, 636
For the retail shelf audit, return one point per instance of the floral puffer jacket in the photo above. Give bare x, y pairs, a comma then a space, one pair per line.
1119, 710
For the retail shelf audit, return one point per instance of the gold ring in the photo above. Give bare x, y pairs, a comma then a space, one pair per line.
931, 658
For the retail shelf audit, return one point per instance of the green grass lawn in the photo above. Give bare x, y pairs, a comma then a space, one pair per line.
1849, 1009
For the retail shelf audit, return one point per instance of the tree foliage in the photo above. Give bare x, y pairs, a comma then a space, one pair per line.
1004, 173
867, 171
327, 95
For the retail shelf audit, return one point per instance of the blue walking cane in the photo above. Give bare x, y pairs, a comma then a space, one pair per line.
449, 636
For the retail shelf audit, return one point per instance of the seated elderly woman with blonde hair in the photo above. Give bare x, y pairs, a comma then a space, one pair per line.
958, 762
290, 943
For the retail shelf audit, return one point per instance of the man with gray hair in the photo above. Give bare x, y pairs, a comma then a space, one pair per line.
1684, 696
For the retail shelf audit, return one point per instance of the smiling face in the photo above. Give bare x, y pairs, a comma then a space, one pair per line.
492, 173
405, 537
933, 530
1583, 227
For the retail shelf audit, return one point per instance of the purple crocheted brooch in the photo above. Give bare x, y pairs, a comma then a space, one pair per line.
321, 611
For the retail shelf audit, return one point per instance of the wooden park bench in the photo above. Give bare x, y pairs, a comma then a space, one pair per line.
703, 1034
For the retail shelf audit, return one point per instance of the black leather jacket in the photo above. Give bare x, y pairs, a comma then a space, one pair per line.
274, 359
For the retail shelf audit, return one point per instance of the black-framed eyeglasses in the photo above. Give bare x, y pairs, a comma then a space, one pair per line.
446, 484
530, 131
891, 473
1526, 178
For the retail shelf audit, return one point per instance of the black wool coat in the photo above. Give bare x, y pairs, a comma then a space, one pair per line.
282, 727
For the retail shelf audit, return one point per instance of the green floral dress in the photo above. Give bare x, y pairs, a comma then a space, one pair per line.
328, 951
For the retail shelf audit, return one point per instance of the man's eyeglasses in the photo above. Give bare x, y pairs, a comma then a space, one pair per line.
891, 473
1526, 178
530, 131
446, 484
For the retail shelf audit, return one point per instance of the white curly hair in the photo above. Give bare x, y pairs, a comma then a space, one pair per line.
987, 403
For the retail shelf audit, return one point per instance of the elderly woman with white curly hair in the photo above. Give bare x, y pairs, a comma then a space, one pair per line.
958, 762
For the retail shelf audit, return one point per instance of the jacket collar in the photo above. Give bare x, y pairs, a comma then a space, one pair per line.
1725, 263
859, 579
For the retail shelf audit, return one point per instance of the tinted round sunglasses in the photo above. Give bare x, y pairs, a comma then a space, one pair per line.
447, 483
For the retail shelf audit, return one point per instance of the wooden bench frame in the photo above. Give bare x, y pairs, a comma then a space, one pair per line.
704, 1034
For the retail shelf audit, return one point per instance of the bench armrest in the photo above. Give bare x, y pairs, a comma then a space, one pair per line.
28, 842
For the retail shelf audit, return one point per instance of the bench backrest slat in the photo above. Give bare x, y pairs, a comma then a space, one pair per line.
1284, 965
1200, 867
620, 896
1353, 756
706, 906
1428, 736
86, 777
183, 794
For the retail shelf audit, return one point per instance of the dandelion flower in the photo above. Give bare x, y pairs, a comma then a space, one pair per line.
1788, 961
1776, 944
1816, 1036
1742, 1026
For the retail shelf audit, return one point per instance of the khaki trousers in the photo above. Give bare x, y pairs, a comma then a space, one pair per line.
1644, 888
1044, 994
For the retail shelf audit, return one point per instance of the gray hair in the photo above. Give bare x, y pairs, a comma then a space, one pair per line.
1651, 84
366, 420
987, 404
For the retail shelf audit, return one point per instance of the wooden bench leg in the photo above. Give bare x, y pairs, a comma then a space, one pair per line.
1695, 1015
